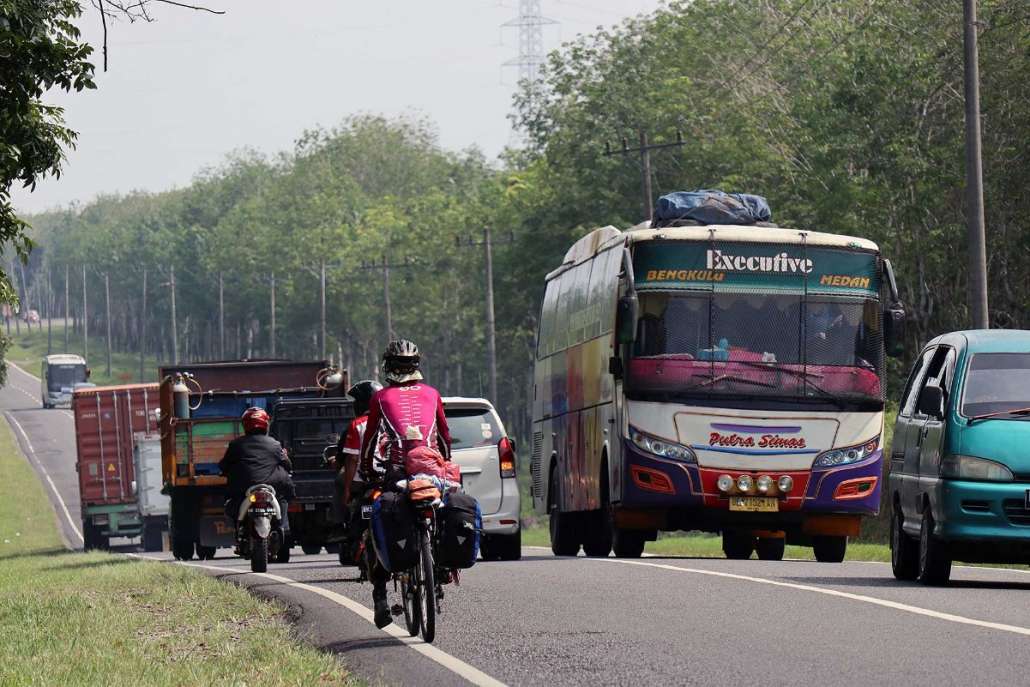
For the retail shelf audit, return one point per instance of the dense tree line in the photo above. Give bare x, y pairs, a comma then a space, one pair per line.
847, 115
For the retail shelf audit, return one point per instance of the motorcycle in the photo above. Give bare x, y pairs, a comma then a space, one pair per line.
259, 532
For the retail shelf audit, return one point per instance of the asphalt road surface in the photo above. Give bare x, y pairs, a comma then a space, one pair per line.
578, 621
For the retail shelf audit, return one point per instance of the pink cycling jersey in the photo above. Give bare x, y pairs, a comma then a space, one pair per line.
407, 416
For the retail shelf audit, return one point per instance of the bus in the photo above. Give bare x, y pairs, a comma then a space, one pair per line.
726, 379
60, 375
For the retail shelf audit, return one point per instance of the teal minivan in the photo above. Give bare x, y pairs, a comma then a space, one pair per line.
959, 478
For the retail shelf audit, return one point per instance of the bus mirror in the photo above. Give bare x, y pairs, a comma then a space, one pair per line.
88, 372
894, 330
615, 366
627, 319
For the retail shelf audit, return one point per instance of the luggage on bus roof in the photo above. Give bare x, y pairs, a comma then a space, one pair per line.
711, 207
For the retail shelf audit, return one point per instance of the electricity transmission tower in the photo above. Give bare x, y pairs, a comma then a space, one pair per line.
530, 24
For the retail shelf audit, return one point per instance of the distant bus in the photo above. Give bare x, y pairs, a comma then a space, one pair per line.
60, 375
717, 378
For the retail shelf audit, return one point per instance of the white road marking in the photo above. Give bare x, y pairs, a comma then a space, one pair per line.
455, 665
32, 456
949, 617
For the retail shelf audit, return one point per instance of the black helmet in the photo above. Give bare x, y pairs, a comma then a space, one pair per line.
362, 394
401, 362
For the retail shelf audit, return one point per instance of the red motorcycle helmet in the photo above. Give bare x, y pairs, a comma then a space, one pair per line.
255, 420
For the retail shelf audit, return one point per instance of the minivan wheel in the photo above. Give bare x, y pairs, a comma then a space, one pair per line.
934, 562
904, 551
507, 547
564, 527
829, 549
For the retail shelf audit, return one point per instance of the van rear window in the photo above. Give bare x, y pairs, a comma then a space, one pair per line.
996, 382
472, 427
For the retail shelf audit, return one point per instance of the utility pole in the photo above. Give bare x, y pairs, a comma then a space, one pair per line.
386, 266
645, 164
67, 308
491, 326
321, 264
221, 318
271, 330
49, 314
175, 331
974, 173
85, 319
107, 297
143, 327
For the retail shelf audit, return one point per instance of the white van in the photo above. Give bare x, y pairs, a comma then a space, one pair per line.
60, 375
487, 458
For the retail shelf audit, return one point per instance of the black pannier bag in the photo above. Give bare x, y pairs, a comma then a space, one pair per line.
459, 524
393, 532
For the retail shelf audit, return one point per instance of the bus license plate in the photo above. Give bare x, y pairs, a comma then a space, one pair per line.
754, 504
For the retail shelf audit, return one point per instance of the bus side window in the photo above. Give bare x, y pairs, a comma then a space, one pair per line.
561, 322
548, 313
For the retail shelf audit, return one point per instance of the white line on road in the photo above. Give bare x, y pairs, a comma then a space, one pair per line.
32, 456
949, 617
455, 665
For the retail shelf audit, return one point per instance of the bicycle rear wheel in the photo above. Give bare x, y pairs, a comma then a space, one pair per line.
411, 596
428, 590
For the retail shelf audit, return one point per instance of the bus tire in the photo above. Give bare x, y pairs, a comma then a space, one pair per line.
564, 527
628, 543
771, 548
597, 539
737, 544
829, 549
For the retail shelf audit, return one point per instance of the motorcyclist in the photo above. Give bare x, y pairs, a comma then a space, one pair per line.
407, 413
256, 458
346, 461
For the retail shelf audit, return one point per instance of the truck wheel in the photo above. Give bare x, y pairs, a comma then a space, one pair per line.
829, 549
564, 527
934, 561
206, 553
737, 545
904, 551
628, 543
152, 537
92, 540
283, 554
771, 549
181, 549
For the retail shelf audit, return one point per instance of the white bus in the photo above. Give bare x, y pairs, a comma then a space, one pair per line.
60, 375
717, 378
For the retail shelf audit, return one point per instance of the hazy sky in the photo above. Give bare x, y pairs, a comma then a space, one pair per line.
186, 89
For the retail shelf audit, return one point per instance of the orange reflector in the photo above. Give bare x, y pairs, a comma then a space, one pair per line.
293, 508
509, 522
857, 488
253, 498
652, 480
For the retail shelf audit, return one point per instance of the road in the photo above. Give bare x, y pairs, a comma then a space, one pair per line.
577, 621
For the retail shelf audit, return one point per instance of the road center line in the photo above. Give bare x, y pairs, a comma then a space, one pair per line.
452, 663
949, 617
31, 454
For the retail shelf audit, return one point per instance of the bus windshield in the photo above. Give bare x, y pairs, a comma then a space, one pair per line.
59, 376
758, 344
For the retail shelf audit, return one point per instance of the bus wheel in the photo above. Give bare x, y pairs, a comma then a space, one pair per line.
563, 526
829, 549
597, 539
629, 543
737, 545
771, 549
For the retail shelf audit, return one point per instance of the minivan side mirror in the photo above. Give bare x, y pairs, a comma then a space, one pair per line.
627, 319
931, 401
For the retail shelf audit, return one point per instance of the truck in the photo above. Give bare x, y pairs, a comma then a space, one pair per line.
60, 375
151, 501
194, 439
106, 420
305, 427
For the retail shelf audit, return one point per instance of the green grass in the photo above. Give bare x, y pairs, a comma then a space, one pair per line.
76, 619
710, 546
28, 348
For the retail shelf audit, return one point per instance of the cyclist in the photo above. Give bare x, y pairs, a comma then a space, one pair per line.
346, 462
407, 413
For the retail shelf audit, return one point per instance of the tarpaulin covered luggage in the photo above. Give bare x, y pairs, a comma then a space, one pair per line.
460, 522
393, 532
711, 207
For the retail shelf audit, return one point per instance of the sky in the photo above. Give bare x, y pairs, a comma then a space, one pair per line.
183, 91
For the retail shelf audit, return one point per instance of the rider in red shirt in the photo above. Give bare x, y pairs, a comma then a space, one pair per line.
407, 413
346, 461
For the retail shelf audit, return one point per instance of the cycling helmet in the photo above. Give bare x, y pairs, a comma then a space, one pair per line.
362, 394
401, 362
255, 420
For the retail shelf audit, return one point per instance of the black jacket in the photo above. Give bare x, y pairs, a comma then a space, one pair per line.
256, 459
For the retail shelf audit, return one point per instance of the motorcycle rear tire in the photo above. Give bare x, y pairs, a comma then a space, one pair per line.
428, 591
258, 554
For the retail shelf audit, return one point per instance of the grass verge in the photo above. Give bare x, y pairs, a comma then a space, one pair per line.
77, 619
28, 348
710, 546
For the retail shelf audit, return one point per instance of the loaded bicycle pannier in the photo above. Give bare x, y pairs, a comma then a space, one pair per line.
460, 522
393, 532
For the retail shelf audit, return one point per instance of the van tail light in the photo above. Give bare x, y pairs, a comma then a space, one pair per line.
507, 456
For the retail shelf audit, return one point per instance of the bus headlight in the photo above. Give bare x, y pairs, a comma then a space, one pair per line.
661, 447
785, 484
745, 483
846, 455
724, 483
764, 484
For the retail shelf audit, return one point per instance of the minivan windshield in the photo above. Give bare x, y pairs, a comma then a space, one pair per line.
472, 427
997, 383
